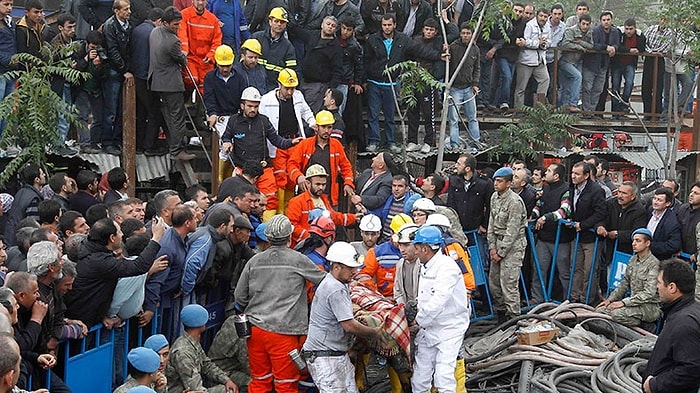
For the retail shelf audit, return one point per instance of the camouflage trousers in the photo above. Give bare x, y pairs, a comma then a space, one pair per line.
633, 315
503, 283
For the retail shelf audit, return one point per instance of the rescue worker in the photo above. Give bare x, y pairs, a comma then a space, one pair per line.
247, 129
326, 151
189, 365
252, 72
313, 197
321, 235
407, 272
442, 315
332, 324
222, 98
642, 305
454, 249
277, 51
370, 229
287, 111
506, 238
380, 262
200, 34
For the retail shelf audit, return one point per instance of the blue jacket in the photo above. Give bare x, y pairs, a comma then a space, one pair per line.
235, 28
140, 53
165, 284
201, 249
383, 211
8, 47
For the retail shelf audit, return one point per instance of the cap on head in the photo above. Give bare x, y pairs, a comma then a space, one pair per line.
143, 359
405, 232
194, 315
288, 77
156, 342
503, 172
316, 170
279, 13
6, 202
279, 227
342, 252
642, 231
251, 94
242, 222
424, 204
260, 232
398, 221
224, 55
371, 223
324, 118
428, 234
439, 220
252, 45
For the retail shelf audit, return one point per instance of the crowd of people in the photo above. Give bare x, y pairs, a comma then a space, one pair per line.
324, 57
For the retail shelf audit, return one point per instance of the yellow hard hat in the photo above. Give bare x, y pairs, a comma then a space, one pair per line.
279, 13
399, 220
224, 55
252, 45
288, 78
324, 118
316, 170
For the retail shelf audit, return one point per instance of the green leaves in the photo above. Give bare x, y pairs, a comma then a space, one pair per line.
413, 79
33, 109
543, 128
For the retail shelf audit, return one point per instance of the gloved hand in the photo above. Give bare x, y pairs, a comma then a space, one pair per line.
411, 309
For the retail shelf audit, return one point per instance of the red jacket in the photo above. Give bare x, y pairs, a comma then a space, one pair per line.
299, 160
298, 210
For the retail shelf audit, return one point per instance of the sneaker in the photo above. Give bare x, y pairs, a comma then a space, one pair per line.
412, 147
453, 147
504, 106
113, 150
573, 108
183, 155
394, 148
64, 151
425, 149
371, 148
92, 148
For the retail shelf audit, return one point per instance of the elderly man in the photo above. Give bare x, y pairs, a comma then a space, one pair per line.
443, 314
278, 313
642, 305
506, 237
374, 184
43, 260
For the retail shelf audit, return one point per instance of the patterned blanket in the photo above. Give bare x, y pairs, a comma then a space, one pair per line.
372, 309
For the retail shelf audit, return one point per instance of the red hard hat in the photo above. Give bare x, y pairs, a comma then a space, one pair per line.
323, 226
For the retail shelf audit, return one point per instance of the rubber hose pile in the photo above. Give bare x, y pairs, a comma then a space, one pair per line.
592, 354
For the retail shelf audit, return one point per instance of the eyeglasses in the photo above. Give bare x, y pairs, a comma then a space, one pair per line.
419, 214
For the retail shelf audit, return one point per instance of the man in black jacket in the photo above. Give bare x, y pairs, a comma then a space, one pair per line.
554, 205
117, 33
689, 217
674, 361
353, 75
664, 226
26, 203
321, 68
99, 269
386, 49
624, 66
588, 201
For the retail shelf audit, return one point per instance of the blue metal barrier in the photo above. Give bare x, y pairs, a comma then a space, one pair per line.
618, 266
480, 278
90, 370
536, 262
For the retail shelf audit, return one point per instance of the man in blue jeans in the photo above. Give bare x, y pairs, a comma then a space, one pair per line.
7, 50
624, 66
465, 87
576, 41
385, 49
506, 55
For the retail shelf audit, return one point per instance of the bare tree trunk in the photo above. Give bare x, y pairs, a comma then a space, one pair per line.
451, 81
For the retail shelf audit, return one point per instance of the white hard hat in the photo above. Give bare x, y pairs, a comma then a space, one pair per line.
342, 252
439, 220
371, 223
279, 227
250, 94
423, 204
405, 232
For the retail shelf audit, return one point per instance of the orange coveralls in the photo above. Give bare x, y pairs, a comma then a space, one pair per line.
199, 35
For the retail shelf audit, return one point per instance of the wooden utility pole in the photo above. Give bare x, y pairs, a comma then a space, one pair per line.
129, 135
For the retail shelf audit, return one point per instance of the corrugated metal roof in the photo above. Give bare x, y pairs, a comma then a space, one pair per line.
147, 168
649, 159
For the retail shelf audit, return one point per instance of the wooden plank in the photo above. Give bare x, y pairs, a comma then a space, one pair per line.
129, 135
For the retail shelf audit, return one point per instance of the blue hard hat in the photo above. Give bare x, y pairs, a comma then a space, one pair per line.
315, 213
642, 231
260, 231
428, 234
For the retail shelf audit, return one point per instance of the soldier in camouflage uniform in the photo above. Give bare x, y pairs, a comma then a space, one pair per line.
506, 237
643, 304
188, 364
230, 353
143, 371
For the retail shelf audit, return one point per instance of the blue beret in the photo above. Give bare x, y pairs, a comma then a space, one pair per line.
141, 389
143, 359
642, 231
194, 315
260, 231
156, 342
503, 172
